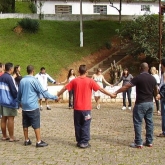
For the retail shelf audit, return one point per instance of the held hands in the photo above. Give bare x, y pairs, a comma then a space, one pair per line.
113, 95
58, 99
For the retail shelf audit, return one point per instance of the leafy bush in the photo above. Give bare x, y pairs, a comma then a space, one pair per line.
143, 32
28, 24
33, 7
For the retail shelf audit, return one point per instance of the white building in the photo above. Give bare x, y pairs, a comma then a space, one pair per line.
103, 7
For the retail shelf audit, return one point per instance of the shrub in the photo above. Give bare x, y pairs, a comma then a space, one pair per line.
33, 7
28, 24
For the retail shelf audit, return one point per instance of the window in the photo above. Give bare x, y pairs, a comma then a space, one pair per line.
63, 9
100, 9
145, 7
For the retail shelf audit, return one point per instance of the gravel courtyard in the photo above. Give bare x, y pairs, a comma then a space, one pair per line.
111, 133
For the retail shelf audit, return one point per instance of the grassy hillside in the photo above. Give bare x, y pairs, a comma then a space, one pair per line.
55, 46
22, 7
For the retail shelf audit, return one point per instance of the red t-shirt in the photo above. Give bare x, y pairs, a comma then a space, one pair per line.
82, 87
1, 73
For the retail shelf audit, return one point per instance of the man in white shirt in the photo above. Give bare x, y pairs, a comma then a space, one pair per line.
44, 78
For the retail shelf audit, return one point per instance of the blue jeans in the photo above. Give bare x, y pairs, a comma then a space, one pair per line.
82, 120
163, 115
128, 92
71, 98
140, 111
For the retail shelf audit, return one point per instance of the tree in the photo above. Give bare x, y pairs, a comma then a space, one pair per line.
119, 10
143, 33
7, 6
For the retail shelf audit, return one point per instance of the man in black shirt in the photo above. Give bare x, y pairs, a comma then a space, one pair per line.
145, 85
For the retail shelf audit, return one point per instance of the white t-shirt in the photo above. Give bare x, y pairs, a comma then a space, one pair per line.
156, 76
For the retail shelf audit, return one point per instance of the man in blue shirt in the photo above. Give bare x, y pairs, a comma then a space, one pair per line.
8, 102
28, 92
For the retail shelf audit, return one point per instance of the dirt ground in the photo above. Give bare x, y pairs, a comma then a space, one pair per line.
92, 59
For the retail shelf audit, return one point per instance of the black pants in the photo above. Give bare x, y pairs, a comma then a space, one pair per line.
82, 120
71, 99
128, 92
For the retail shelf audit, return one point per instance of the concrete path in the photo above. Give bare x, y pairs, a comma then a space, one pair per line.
111, 134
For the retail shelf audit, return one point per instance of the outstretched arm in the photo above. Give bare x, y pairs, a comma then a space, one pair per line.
61, 91
107, 93
63, 82
124, 88
106, 81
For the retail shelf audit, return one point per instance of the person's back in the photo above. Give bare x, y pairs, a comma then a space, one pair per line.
82, 87
8, 91
145, 84
29, 98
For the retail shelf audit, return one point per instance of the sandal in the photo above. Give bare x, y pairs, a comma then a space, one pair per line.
4, 139
161, 135
13, 140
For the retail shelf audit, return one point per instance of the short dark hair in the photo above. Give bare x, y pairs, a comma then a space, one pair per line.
42, 68
82, 69
30, 69
8, 66
163, 62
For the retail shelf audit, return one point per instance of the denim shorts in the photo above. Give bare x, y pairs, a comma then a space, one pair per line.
31, 118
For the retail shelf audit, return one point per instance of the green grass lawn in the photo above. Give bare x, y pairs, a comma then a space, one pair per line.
22, 7
55, 46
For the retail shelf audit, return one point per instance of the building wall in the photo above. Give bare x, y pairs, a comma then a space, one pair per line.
87, 7
104, 98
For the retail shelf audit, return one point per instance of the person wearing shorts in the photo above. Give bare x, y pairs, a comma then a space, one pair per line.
8, 96
28, 92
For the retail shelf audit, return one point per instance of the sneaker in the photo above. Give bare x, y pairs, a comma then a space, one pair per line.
134, 145
41, 108
27, 143
147, 144
48, 108
123, 108
78, 144
98, 106
84, 145
129, 108
41, 144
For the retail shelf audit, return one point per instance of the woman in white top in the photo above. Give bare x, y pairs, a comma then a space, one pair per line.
70, 77
99, 79
154, 73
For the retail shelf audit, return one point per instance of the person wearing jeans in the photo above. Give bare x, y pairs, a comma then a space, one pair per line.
143, 111
128, 93
71, 75
145, 86
126, 78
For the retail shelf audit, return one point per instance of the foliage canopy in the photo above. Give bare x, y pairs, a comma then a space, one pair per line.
143, 33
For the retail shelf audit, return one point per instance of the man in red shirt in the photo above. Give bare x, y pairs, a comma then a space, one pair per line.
82, 87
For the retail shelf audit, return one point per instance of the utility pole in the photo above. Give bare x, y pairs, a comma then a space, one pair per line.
161, 16
81, 25
160, 31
